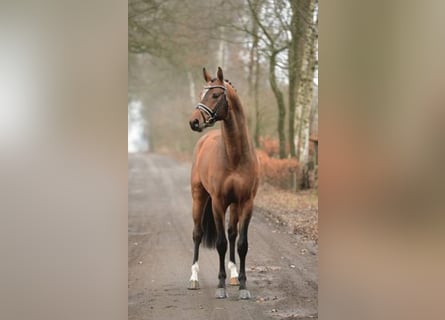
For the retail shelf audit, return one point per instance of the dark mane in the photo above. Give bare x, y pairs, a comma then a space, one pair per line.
228, 81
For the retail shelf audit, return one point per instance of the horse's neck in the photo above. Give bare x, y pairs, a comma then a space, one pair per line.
234, 132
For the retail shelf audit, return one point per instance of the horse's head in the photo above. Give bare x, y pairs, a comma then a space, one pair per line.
213, 105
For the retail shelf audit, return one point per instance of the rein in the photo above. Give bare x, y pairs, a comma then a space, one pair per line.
212, 113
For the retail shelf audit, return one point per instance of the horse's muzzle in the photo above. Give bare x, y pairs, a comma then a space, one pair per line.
194, 124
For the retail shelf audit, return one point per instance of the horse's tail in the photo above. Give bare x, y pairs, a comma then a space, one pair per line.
208, 226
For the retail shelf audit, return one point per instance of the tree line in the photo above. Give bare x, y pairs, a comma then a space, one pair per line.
269, 46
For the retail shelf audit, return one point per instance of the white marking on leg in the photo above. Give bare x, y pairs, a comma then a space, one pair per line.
195, 270
233, 272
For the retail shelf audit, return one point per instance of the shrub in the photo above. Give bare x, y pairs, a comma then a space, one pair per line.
278, 172
270, 146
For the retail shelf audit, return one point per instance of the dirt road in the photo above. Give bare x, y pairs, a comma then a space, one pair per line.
281, 268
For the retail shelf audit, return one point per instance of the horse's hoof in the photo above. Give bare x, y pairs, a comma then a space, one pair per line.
221, 293
234, 282
244, 294
194, 285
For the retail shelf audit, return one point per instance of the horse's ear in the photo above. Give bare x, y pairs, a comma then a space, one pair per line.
220, 75
206, 75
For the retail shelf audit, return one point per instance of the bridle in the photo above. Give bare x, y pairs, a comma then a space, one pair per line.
212, 113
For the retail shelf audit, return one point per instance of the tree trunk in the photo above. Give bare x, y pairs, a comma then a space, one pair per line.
294, 64
257, 133
292, 86
253, 81
221, 49
193, 97
306, 86
314, 114
280, 104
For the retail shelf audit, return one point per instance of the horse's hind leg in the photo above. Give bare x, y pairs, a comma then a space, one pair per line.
244, 220
199, 199
221, 246
233, 233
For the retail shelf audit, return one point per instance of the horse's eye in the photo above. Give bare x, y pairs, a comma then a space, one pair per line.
215, 95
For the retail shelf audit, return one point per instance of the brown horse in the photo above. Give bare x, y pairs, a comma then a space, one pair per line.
224, 174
